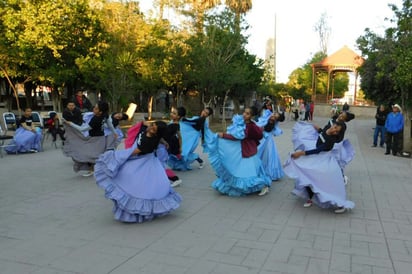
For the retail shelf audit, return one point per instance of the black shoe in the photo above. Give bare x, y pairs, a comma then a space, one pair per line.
387, 153
373, 145
382, 146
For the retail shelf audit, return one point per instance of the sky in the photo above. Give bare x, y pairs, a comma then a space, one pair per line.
296, 38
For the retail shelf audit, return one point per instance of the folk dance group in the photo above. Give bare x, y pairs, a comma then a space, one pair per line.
140, 178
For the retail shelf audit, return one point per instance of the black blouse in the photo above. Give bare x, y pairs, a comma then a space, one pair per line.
27, 120
97, 126
146, 144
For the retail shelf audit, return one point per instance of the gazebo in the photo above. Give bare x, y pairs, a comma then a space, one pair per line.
344, 60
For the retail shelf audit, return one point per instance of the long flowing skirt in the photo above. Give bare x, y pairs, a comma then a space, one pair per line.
111, 141
25, 140
269, 155
137, 185
190, 141
321, 172
83, 150
237, 176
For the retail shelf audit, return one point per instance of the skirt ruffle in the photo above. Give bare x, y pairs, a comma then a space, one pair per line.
137, 185
269, 155
323, 175
321, 172
24, 140
190, 141
237, 176
83, 150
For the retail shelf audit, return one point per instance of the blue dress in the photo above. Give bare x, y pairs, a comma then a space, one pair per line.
190, 141
25, 140
137, 185
237, 176
321, 172
267, 149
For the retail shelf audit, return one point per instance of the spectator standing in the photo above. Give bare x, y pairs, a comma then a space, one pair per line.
380, 116
302, 110
81, 101
394, 127
311, 110
307, 111
345, 107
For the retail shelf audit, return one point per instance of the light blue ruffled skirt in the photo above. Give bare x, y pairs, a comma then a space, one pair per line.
269, 155
237, 176
190, 141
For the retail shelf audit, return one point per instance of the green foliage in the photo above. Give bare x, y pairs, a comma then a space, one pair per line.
41, 40
111, 48
219, 61
386, 73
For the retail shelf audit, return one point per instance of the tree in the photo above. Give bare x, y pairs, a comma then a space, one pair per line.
114, 70
386, 71
220, 65
323, 30
42, 40
239, 7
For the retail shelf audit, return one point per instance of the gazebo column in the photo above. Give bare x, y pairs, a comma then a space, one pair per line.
327, 87
355, 87
313, 84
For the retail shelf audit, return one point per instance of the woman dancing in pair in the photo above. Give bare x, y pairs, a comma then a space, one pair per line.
85, 150
267, 149
191, 129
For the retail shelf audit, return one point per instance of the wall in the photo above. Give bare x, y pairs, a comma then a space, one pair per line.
323, 110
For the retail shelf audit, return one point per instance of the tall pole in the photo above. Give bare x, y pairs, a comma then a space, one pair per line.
274, 54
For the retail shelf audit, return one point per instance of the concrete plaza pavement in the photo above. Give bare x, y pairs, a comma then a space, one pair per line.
55, 221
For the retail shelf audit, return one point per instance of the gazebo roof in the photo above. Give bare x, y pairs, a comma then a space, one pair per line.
344, 59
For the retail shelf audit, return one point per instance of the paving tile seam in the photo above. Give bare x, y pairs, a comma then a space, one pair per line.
372, 187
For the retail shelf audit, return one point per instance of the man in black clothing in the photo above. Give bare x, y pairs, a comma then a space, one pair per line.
72, 114
380, 116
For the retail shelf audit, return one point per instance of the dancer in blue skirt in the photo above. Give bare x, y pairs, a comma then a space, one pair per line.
267, 149
135, 180
191, 129
233, 155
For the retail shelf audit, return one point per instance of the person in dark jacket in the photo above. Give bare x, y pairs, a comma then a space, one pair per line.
380, 117
72, 114
81, 101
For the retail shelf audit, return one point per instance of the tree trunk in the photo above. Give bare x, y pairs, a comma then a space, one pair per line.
56, 99
14, 90
407, 133
224, 108
149, 108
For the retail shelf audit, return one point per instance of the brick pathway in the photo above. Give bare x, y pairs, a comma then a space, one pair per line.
54, 221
